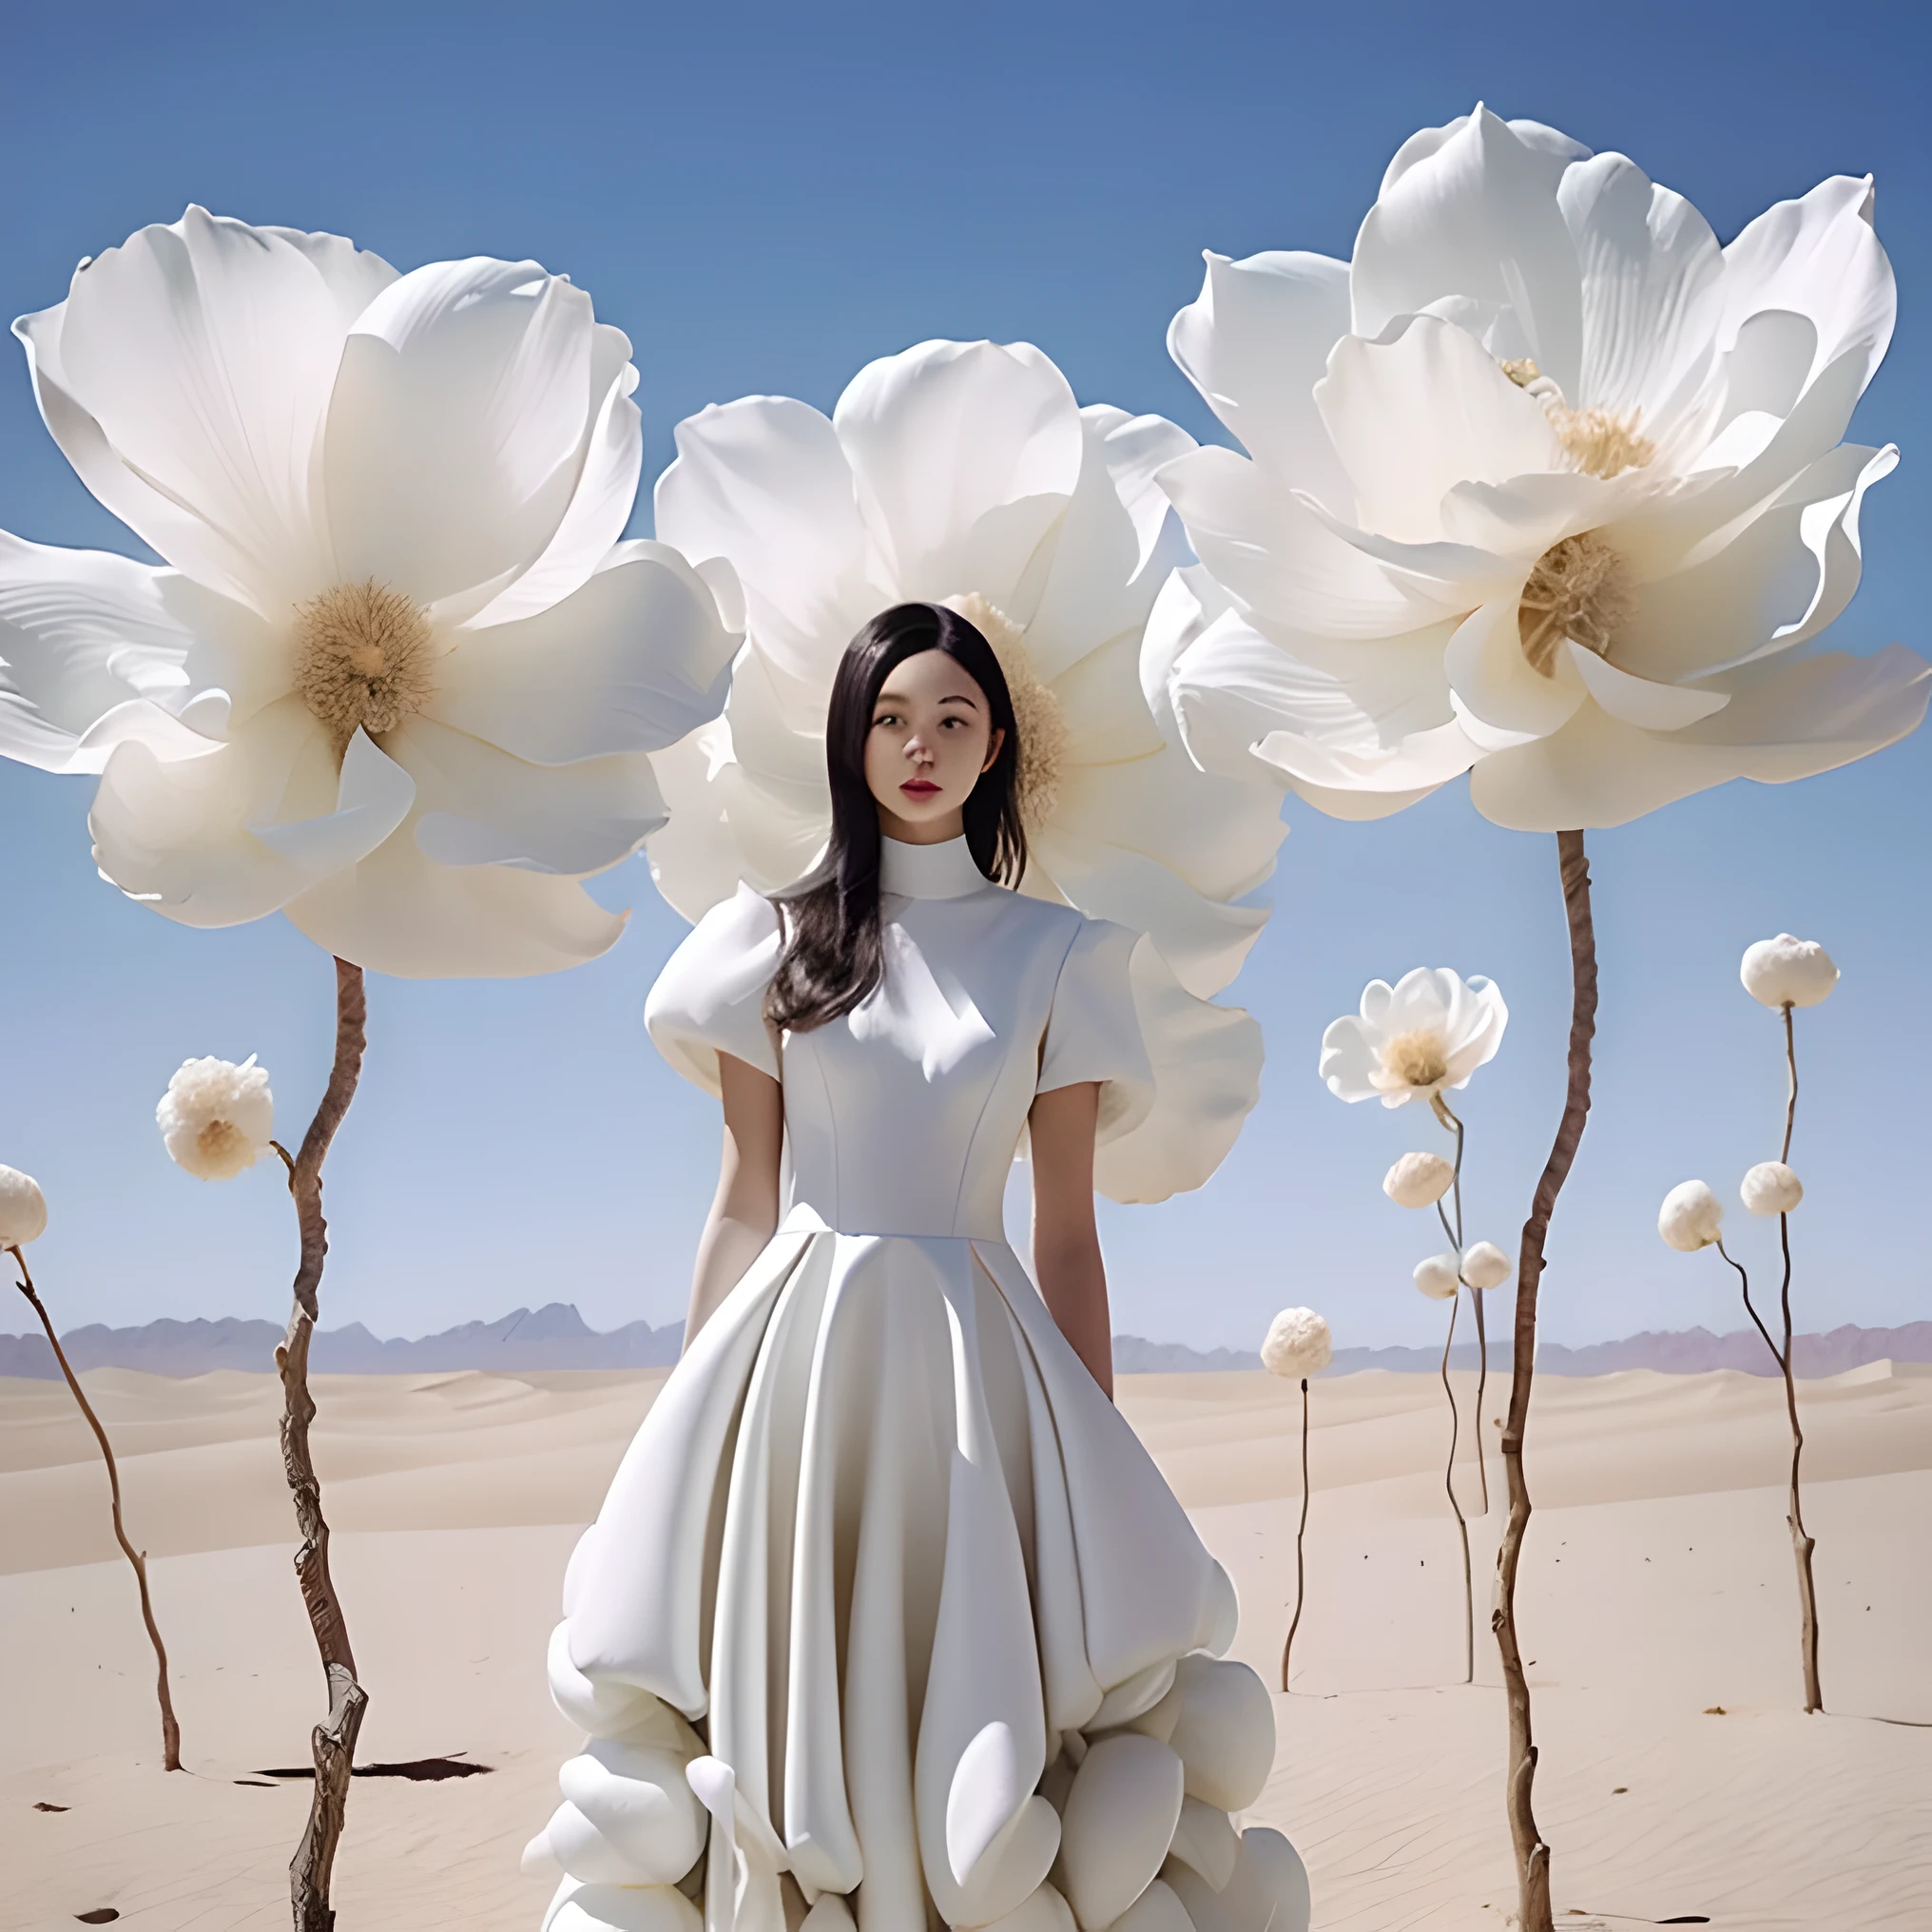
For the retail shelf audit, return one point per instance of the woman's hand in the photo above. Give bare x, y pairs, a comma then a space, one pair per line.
745, 1214
1067, 1259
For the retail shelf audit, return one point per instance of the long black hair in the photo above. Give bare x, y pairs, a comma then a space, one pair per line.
833, 953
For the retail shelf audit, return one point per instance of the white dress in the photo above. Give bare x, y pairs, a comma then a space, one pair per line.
885, 1595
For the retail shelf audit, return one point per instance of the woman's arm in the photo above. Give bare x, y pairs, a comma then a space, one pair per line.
744, 1213
1066, 1244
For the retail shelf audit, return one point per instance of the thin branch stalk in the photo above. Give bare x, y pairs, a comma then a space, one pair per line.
1300, 1531
170, 1731
1533, 1854
1449, 1118
1802, 1544
333, 1741
1461, 1526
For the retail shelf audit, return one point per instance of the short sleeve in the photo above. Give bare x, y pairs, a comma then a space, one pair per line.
710, 1000
1093, 1032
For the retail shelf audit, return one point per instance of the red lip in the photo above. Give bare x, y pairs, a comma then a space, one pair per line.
919, 788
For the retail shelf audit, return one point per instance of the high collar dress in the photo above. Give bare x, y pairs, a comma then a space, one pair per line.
888, 1616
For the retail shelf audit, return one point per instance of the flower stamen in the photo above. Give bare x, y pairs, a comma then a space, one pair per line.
363, 654
1596, 442
1577, 590
223, 1145
1036, 708
1417, 1059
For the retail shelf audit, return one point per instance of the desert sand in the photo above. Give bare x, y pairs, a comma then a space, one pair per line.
1679, 1777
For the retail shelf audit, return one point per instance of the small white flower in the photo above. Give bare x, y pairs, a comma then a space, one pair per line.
1418, 1180
216, 1118
1298, 1345
1788, 972
23, 1208
1771, 1188
1429, 1031
1439, 1277
1485, 1266
1692, 1217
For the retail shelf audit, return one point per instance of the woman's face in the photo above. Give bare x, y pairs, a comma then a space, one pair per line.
931, 735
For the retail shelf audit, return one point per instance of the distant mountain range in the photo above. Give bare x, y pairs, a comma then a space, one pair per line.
557, 1337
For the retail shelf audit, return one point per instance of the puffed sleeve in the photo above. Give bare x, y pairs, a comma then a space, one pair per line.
1093, 1032
710, 1000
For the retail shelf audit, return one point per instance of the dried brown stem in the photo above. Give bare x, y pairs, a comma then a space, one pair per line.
170, 1731
1533, 1854
1302, 1530
1449, 1486
1802, 1544
333, 1742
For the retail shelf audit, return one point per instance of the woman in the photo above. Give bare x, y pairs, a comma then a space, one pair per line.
883, 1538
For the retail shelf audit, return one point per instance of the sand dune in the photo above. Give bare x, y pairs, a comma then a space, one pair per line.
1658, 1586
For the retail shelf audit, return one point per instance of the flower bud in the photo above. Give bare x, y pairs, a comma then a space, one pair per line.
23, 1208
1439, 1277
1691, 1217
1771, 1188
1485, 1266
1418, 1180
1788, 972
1298, 1345
215, 1118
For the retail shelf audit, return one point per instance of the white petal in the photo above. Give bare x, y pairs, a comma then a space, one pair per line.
478, 805
1638, 700
963, 455
1137, 449
1784, 722
1413, 417
764, 483
1817, 257
1781, 579
1476, 217
187, 377
1653, 279
457, 433
1273, 554
1497, 684
600, 505
226, 838
1206, 1064
85, 634
401, 912
631, 662
1255, 344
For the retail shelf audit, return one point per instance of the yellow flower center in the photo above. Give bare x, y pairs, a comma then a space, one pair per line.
1595, 441
221, 1144
363, 656
1417, 1059
1577, 590
1036, 708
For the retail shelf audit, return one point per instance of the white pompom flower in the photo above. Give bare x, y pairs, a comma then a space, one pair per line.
1439, 1277
1298, 1345
1771, 1188
1418, 1180
23, 1208
1690, 1218
215, 1118
1429, 1031
1485, 1266
1788, 972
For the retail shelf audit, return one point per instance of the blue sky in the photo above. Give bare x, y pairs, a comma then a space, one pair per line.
765, 198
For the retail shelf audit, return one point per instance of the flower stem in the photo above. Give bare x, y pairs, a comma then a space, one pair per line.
333, 1742
1300, 1531
1462, 1527
1449, 1118
1533, 1854
170, 1731
1802, 1544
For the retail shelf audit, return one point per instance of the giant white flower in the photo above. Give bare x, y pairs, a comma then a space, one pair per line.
399, 677
960, 471
1543, 481
1431, 1030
